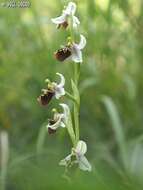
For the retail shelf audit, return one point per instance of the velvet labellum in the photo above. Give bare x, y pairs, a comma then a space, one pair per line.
63, 54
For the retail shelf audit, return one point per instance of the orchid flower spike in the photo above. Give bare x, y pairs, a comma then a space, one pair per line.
77, 157
72, 51
54, 89
59, 119
69, 11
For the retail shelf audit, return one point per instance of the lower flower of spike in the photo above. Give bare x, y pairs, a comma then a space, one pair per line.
59, 119
77, 156
54, 89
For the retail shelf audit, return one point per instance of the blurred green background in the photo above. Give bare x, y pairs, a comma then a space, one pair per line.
111, 86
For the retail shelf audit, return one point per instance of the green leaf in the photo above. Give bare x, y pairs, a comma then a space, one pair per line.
131, 87
41, 138
70, 128
117, 126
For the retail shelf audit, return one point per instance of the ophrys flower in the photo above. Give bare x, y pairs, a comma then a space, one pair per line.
67, 13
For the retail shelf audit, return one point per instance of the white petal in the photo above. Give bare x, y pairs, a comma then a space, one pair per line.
62, 83
76, 54
59, 92
84, 164
76, 21
70, 9
65, 161
59, 20
82, 43
81, 148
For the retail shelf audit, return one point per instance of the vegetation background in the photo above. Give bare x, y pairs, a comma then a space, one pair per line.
111, 85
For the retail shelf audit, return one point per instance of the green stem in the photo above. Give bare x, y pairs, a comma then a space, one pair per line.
76, 104
76, 80
76, 121
71, 29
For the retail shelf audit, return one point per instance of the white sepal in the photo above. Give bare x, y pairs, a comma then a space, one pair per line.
59, 88
66, 112
81, 148
76, 55
62, 83
82, 42
70, 9
59, 20
76, 21
84, 164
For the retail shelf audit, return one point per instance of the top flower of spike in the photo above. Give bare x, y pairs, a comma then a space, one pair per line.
69, 11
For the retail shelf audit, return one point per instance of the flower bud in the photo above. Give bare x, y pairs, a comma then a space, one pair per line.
81, 148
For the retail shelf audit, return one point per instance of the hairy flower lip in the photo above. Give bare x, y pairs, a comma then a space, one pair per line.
51, 131
45, 98
72, 52
63, 53
63, 25
54, 90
